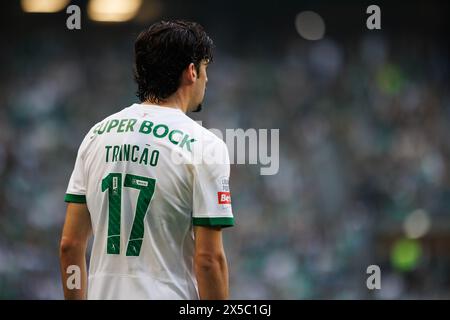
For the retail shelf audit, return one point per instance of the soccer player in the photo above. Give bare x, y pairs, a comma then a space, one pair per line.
152, 185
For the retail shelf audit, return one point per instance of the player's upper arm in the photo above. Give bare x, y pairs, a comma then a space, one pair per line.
211, 191
77, 187
77, 228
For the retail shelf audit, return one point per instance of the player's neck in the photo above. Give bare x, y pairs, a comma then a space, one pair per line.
175, 101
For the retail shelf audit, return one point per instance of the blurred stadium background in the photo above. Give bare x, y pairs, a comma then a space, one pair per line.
364, 119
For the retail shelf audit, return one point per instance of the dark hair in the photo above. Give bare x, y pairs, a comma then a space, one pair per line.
163, 51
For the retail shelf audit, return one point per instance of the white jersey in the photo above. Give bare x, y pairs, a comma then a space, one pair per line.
148, 174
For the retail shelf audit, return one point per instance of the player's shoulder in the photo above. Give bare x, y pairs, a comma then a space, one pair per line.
90, 134
207, 147
201, 134
115, 115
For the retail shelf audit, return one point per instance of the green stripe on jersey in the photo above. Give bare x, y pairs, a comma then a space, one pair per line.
213, 222
77, 198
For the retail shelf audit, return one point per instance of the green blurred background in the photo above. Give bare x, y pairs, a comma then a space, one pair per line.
364, 119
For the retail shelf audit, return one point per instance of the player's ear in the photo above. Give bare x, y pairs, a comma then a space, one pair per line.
192, 72
189, 74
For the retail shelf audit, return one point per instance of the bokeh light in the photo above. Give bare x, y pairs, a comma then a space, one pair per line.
417, 224
113, 10
43, 6
405, 254
310, 25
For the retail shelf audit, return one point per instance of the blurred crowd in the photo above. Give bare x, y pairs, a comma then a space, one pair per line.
364, 173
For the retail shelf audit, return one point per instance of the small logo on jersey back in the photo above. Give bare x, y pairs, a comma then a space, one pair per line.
140, 183
225, 184
224, 197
